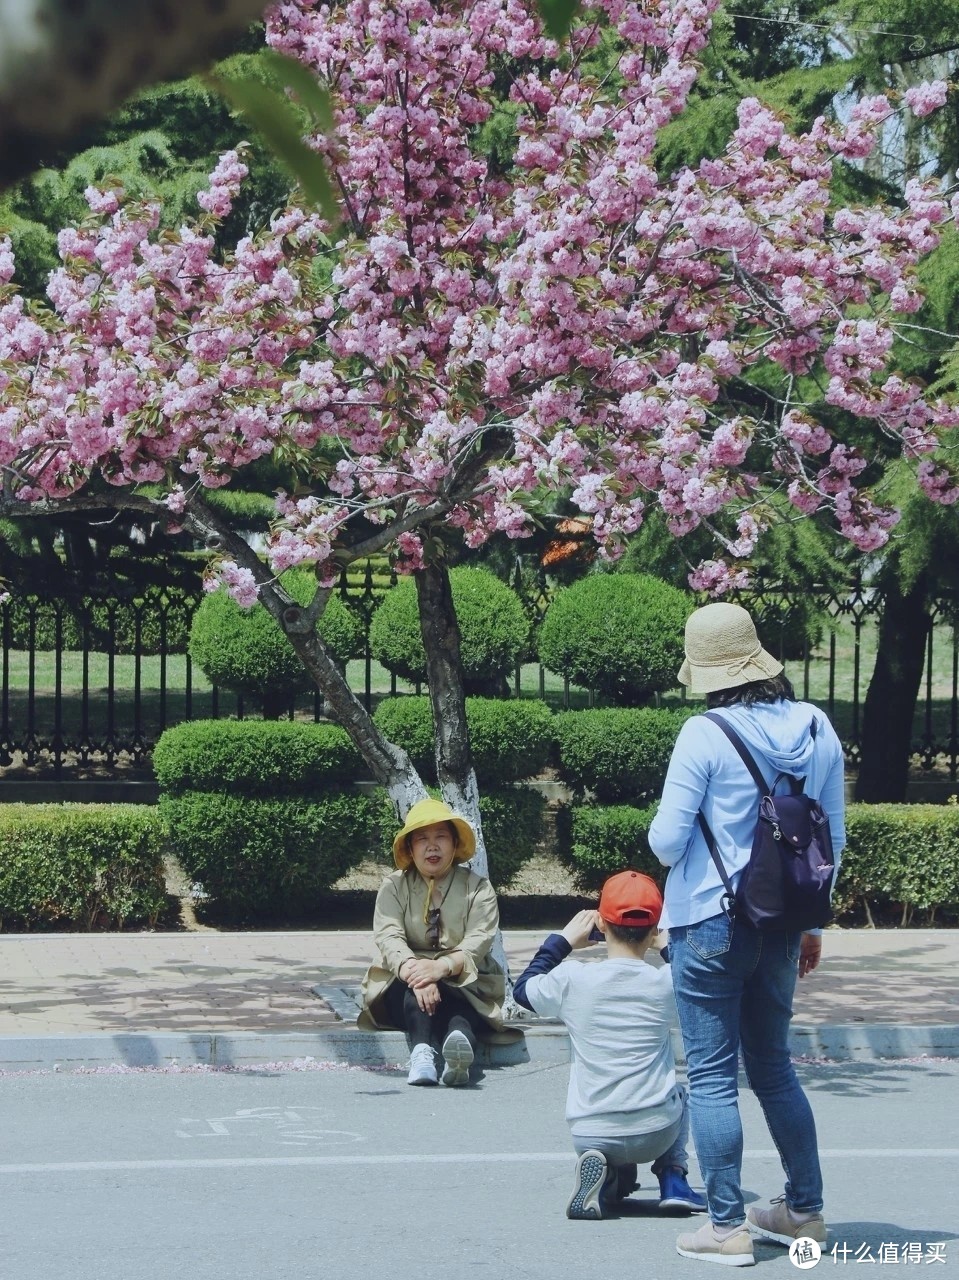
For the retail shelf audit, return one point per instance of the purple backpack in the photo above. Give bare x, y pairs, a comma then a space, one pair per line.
787, 881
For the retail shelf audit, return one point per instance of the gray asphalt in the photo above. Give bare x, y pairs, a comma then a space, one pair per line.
348, 1172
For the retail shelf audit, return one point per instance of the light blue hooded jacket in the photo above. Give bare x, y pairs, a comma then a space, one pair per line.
705, 772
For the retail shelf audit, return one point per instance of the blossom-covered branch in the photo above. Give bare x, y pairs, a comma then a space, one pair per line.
580, 324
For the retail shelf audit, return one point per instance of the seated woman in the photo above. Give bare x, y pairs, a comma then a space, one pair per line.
434, 925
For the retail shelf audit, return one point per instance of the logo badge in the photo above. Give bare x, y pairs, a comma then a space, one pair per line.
804, 1253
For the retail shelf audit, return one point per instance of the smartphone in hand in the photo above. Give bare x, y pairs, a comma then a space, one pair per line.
596, 935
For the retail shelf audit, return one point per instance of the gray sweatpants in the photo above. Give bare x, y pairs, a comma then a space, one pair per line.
664, 1147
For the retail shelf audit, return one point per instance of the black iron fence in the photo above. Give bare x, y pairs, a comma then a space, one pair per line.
89, 682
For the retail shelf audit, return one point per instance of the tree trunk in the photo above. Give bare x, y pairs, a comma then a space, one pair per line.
891, 699
389, 764
444, 677
454, 761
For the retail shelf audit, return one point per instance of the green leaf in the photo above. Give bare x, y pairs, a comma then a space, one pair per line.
313, 97
558, 16
275, 118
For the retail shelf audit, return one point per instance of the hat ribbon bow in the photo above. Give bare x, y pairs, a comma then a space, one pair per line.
738, 667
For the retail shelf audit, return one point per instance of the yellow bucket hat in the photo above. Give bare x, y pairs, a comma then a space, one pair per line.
423, 814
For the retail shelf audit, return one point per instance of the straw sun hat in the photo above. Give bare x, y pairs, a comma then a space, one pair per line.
423, 814
723, 650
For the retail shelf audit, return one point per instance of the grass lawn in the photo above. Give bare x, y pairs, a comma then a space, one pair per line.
149, 693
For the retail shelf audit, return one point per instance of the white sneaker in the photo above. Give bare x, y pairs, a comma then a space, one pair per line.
782, 1225
422, 1066
457, 1059
730, 1249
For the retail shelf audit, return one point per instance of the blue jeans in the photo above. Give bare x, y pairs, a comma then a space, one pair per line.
734, 990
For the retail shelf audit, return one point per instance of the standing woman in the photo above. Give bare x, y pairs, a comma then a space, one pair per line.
434, 925
734, 985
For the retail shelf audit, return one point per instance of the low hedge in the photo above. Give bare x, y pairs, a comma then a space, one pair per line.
619, 754
255, 758
255, 856
92, 866
597, 840
510, 739
513, 828
900, 859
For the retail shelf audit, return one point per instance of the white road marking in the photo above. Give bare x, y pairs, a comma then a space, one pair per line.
467, 1157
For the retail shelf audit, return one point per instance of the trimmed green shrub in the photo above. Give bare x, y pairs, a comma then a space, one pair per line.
255, 758
617, 753
256, 856
510, 740
246, 509
902, 857
618, 633
596, 842
245, 650
93, 866
513, 827
493, 629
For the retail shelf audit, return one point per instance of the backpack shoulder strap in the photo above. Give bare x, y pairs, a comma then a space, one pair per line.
742, 750
728, 902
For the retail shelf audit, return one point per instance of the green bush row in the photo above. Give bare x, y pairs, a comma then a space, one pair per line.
258, 857
620, 754
255, 758
899, 859
510, 740
902, 857
85, 866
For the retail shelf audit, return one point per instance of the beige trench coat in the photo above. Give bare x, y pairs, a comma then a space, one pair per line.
469, 918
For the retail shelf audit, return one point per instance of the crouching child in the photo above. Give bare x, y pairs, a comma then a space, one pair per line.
623, 1105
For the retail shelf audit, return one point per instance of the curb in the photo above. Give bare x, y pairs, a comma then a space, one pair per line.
844, 1042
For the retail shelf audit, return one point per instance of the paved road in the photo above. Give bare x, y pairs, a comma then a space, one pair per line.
348, 1172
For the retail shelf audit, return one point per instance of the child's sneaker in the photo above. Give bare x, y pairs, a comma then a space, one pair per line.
422, 1065
457, 1059
621, 1182
729, 1248
627, 1181
591, 1172
676, 1193
782, 1225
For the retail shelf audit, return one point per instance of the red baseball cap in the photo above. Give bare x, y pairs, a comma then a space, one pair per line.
631, 899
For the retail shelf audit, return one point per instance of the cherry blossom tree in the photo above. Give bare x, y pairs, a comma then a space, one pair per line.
473, 337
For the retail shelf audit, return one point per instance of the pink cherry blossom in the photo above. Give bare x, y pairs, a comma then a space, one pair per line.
481, 338
923, 99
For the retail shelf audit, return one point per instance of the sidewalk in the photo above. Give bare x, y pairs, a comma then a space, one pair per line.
229, 998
